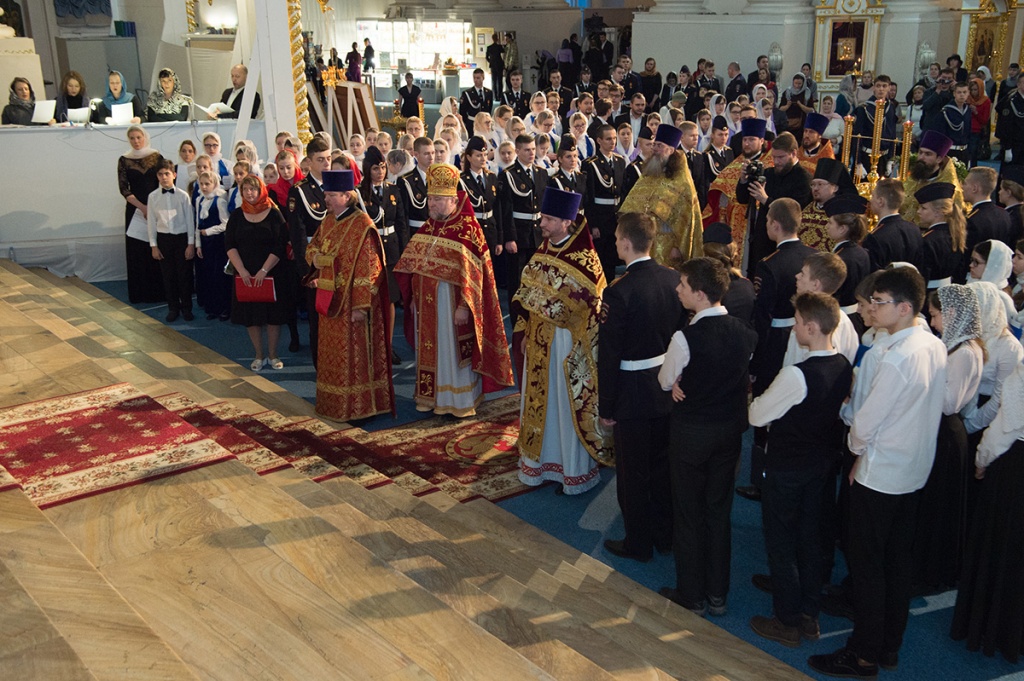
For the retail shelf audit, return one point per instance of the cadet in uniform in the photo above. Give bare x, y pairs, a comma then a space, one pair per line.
475, 100
605, 174
414, 185
481, 187
520, 190
383, 203
306, 209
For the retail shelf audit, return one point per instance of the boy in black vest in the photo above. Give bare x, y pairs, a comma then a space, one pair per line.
706, 368
804, 445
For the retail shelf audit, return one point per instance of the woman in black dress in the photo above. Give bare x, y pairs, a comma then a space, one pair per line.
256, 240
989, 611
71, 95
167, 103
136, 178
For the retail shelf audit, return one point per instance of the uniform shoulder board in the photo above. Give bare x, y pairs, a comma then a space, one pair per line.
590, 159
408, 174
770, 256
617, 156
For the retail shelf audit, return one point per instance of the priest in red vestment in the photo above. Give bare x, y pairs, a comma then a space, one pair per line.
346, 260
453, 317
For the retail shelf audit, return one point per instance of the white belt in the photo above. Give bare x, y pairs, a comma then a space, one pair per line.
962, 147
416, 224
641, 364
849, 309
309, 239
783, 323
385, 231
605, 202
939, 283
525, 216
485, 216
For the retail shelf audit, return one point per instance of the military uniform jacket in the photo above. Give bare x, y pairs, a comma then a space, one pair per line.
956, 124
306, 210
894, 240
520, 103
483, 197
603, 195
642, 298
576, 183
858, 266
634, 171
471, 103
1016, 224
775, 286
1010, 125
987, 221
414, 197
590, 87
697, 163
388, 215
519, 197
715, 162
864, 124
938, 259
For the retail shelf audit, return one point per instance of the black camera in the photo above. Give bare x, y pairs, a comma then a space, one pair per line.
755, 172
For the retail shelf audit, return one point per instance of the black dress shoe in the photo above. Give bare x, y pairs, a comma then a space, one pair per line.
837, 605
224, 316
749, 492
699, 609
187, 315
617, 547
762, 582
172, 316
842, 664
210, 317
395, 359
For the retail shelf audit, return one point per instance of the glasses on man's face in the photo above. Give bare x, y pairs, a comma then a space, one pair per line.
879, 301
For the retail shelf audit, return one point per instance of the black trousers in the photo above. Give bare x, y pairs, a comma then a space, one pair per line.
642, 482
514, 264
176, 272
791, 512
879, 552
605, 220
766, 366
703, 462
497, 84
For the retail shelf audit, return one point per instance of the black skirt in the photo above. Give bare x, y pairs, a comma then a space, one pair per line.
989, 611
941, 532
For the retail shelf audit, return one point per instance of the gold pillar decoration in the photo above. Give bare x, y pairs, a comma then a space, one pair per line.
908, 139
847, 139
190, 16
299, 70
422, 117
323, 6
876, 141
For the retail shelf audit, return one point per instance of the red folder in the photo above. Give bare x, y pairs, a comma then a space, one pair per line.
257, 293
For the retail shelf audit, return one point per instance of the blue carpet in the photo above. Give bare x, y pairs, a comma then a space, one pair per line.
585, 521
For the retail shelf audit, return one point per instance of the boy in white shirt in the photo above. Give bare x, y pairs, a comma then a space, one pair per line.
172, 236
899, 397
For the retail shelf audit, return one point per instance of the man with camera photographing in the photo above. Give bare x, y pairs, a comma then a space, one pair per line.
934, 99
787, 179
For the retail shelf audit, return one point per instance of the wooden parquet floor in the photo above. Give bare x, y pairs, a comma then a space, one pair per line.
258, 571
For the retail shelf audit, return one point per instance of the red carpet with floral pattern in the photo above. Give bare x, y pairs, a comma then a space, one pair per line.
78, 445
479, 455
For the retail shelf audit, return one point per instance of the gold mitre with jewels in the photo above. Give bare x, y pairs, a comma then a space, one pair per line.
442, 180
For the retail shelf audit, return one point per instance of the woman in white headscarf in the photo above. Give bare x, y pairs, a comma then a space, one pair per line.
767, 116
1004, 354
939, 539
990, 83
992, 261
450, 107
136, 178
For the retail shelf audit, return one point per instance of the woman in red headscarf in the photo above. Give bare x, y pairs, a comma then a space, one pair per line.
289, 175
256, 240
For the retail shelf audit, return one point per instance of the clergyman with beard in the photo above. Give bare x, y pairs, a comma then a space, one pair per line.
666, 192
787, 179
932, 165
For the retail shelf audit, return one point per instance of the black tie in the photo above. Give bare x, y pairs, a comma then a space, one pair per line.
167, 191
380, 192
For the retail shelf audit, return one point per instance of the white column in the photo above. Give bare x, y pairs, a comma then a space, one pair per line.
273, 45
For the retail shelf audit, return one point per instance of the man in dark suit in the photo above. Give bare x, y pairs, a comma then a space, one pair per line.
708, 80
516, 97
607, 52
232, 96
786, 179
1011, 195
475, 100
705, 370
631, 402
635, 117
481, 187
602, 117
306, 209
737, 84
893, 239
752, 77
520, 191
605, 172
985, 220
496, 63
775, 286
565, 95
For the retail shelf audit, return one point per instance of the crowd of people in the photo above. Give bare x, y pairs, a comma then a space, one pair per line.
166, 103
885, 364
